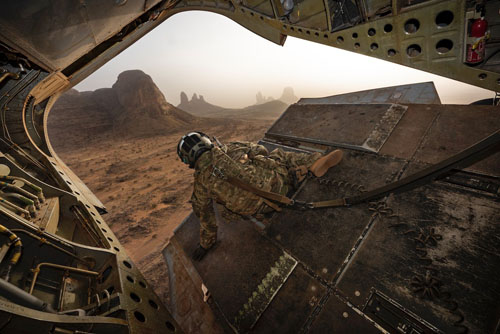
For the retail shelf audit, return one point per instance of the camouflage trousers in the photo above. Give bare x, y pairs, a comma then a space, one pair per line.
283, 164
292, 161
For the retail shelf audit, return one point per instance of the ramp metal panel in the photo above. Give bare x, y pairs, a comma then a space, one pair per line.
243, 272
455, 129
292, 305
337, 317
425, 261
434, 248
420, 93
407, 136
323, 239
361, 126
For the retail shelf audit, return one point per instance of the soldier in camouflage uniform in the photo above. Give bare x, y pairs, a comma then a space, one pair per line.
275, 172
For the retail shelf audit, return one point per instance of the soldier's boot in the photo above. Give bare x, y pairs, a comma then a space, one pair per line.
321, 166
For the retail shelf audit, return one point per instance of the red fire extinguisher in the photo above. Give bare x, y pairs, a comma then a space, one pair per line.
476, 41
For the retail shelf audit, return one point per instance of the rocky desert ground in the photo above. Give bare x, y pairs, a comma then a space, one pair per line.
121, 142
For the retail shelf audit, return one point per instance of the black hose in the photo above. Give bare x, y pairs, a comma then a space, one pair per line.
21, 297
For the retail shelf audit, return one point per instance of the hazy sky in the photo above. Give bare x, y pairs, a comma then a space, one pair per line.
208, 54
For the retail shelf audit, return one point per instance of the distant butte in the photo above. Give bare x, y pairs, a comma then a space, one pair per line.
134, 106
288, 97
197, 105
266, 108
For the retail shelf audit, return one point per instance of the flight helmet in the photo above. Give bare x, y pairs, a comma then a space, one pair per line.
191, 147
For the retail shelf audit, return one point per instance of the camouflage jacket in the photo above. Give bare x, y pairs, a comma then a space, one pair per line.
247, 161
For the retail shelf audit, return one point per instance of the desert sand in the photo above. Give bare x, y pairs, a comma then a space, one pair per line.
145, 188
121, 142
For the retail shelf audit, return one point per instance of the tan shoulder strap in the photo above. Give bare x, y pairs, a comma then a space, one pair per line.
259, 192
235, 181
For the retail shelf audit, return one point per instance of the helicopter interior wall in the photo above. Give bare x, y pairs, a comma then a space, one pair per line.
55, 33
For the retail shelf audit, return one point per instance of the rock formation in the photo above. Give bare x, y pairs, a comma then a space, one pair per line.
288, 96
184, 98
134, 106
197, 106
145, 109
262, 99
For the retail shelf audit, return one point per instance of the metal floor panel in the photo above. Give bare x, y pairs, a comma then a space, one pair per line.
293, 304
424, 261
434, 251
337, 317
407, 136
456, 128
422, 93
322, 239
363, 126
236, 268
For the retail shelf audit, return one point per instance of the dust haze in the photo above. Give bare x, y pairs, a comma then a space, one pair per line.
121, 142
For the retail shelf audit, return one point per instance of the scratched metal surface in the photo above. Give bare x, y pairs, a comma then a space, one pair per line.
421, 93
435, 251
348, 253
337, 317
323, 238
56, 34
365, 126
408, 135
235, 268
456, 128
293, 304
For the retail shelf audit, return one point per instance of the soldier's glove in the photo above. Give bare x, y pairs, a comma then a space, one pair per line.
199, 253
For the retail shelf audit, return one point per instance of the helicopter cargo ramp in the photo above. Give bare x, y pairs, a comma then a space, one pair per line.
422, 261
416, 93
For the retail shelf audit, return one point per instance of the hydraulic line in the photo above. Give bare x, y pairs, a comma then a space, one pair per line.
16, 241
108, 297
8, 205
36, 188
20, 197
23, 192
30, 204
48, 243
16, 148
36, 271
